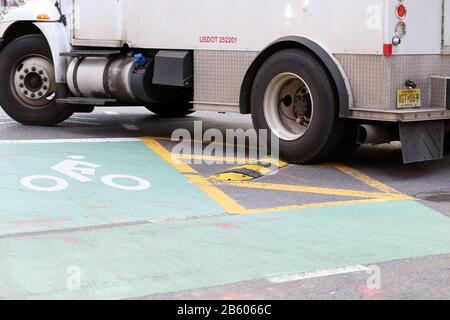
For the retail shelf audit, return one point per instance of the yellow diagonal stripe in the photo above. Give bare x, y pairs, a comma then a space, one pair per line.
364, 178
319, 205
315, 190
215, 159
233, 207
167, 156
226, 202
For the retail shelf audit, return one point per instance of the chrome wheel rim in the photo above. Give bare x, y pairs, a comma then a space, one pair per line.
34, 81
288, 106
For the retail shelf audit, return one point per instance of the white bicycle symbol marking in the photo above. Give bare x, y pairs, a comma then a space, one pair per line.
80, 171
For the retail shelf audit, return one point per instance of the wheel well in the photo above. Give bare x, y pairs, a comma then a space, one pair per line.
295, 43
18, 30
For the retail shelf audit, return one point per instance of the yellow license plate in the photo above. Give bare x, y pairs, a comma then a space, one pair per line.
409, 98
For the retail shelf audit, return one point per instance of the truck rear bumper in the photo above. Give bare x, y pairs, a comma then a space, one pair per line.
410, 115
375, 79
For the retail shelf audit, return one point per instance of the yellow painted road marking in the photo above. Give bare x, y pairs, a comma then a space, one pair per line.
229, 160
167, 156
214, 159
230, 205
209, 142
315, 190
318, 205
364, 178
225, 201
233, 207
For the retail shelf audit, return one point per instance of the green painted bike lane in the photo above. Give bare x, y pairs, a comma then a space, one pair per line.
22, 210
170, 256
142, 260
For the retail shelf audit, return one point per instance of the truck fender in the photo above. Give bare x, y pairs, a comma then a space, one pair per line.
57, 38
325, 55
51, 28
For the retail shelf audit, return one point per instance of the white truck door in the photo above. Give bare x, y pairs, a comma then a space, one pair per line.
97, 22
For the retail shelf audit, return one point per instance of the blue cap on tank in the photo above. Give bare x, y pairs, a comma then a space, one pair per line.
140, 59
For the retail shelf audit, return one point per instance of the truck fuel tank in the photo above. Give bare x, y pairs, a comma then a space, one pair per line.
123, 78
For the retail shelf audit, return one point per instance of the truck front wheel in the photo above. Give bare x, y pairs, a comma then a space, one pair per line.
293, 98
28, 88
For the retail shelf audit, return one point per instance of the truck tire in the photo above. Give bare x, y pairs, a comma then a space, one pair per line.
28, 88
347, 145
171, 110
295, 100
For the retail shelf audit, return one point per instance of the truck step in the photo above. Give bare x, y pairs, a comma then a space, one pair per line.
90, 53
86, 101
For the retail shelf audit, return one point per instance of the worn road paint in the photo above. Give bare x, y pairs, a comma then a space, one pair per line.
91, 203
294, 208
225, 201
150, 259
317, 274
318, 190
213, 159
364, 178
231, 206
127, 247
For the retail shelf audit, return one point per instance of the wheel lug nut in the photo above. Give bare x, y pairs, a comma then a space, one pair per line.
45, 79
26, 70
41, 72
45, 87
40, 94
33, 69
25, 92
22, 77
21, 85
33, 95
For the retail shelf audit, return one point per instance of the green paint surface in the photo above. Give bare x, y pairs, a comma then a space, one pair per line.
93, 203
141, 260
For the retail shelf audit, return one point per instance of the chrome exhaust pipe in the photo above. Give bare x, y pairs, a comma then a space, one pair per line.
372, 134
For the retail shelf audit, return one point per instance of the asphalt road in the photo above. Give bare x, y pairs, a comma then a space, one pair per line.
371, 228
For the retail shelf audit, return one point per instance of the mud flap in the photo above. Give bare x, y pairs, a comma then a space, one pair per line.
422, 141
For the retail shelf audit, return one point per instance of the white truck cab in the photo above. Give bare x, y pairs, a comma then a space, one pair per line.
322, 76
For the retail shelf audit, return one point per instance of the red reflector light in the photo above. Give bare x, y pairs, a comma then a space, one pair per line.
388, 49
401, 11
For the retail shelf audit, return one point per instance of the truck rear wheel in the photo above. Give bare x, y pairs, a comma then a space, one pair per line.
347, 145
28, 88
171, 110
293, 98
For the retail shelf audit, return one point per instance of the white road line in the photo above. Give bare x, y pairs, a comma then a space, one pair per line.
45, 141
130, 127
111, 113
317, 274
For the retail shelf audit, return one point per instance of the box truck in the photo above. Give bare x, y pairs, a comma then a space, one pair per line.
322, 76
